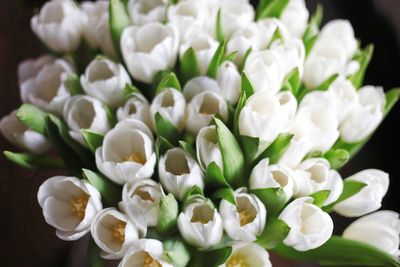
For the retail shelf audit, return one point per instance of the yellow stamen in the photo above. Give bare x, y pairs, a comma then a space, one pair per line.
119, 232
135, 158
143, 194
245, 217
78, 206
236, 261
150, 262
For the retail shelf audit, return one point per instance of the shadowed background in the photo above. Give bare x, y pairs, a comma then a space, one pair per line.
26, 240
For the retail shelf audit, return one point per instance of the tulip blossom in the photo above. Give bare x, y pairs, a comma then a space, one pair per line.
235, 15
199, 85
345, 97
147, 11
207, 148
228, 78
248, 254
293, 53
295, 17
136, 107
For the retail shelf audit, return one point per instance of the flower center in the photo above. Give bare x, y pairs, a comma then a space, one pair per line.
118, 231
143, 194
202, 214
236, 261
245, 217
134, 157
150, 262
245, 209
78, 206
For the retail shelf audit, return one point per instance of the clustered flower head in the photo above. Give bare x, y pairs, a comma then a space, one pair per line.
203, 132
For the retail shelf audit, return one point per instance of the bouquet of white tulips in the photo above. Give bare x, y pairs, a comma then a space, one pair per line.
203, 133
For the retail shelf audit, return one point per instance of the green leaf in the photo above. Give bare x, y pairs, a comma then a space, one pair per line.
277, 36
214, 177
33, 118
231, 56
273, 9
216, 60
246, 86
118, 19
189, 67
217, 257
218, 28
320, 197
225, 193
391, 98
243, 63
166, 129
188, 149
35, 162
110, 191
130, 90
292, 81
93, 255
168, 81
176, 252
337, 158
252, 148
275, 231
276, 150
239, 107
232, 155
338, 251
168, 214
161, 146
193, 192
327, 83
363, 57
350, 188
311, 33
74, 85
92, 139
112, 118
274, 199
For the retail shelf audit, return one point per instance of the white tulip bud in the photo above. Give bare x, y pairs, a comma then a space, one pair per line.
228, 78
295, 17
43, 83
370, 197
69, 205
147, 11
136, 107
366, 116
310, 227
145, 252
149, 49
345, 96
272, 176
59, 25
299, 147
293, 53
202, 108
198, 85
21, 136
245, 220
268, 27
235, 15
178, 172
105, 80
207, 148
85, 112
380, 229
335, 186
127, 153
250, 254
113, 233
200, 223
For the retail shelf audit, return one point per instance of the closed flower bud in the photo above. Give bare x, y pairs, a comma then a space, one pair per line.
29, 68
149, 49
179, 172
136, 107
370, 197
245, 220
293, 53
295, 17
147, 11
198, 85
207, 148
235, 15
229, 80
69, 205
59, 25
335, 186
250, 254
345, 97
19, 135
127, 153
200, 223
113, 233
310, 227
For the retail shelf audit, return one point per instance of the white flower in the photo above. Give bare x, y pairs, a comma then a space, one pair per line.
179, 172
21, 136
310, 227
335, 186
299, 147
235, 15
265, 70
370, 197
136, 107
85, 112
268, 27
250, 255
149, 49
69, 205
295, 17
245, 220
380, 229
202, 108
113, 233
141, 199
200, 224
43, 83
198, 85
127, 153
105, 80
147, 11
366, 116
272, 176
228, 78
207, 148
59, 25
145, 252
96, 27
293, 53
171, 105
345, 97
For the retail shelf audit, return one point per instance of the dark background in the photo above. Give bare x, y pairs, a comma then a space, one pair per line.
26, 240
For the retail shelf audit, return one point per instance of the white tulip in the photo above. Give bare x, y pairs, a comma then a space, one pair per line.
179, 172
202, 108
228, 78
69, 205
145, 252
43, 83
335, 186
380, 229
136, 107
272, 176
293, 53
147, 11
310, 227
113, 233
171, 105
200, 223
30, 68
127, 153
295, 17
21, 136
141, 199
207, 148
265, 71
96, 28
268, 27
235, 15
59, 25
245, 220
345, 96
370, 197
299, 147
85, 112
366, 116
288, 104
198, 85
250, 255
149, 49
